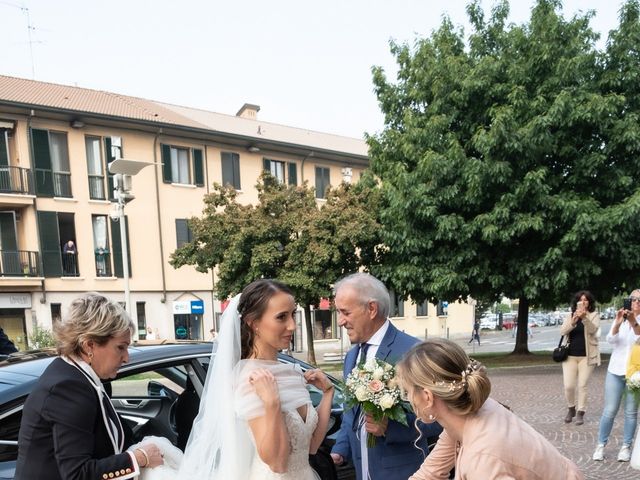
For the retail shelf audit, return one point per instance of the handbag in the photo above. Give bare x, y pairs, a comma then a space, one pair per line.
561, 352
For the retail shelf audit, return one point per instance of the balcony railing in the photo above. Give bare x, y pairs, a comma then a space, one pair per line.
103, 263
49, 183
62, 184
70, 265
20, 263
15, 180
96, 187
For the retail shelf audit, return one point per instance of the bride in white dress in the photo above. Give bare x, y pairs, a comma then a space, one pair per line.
256, 420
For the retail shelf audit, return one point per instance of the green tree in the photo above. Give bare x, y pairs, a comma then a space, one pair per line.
508, 160
41, 338
285, 236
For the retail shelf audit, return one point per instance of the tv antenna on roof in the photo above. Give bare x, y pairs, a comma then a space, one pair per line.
30, 28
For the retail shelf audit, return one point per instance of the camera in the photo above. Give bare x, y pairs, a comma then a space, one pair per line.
627, 304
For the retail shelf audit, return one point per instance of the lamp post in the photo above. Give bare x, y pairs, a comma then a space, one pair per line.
123, 170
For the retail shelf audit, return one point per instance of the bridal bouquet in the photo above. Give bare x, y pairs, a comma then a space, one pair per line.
633, 382
374, 388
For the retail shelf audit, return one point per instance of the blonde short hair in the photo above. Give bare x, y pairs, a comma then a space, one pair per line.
443, 367
90, 317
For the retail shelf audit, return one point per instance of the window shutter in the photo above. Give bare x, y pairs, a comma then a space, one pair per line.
4, 151
266, 164
108, 158
198, 167
293, 173
10, 256
42, 162
236, 171
117, 248
50, 243
166, 164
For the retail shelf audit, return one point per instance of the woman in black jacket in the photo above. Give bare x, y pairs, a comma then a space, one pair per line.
69, 429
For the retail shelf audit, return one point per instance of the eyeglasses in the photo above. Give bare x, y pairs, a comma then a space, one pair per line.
634, 299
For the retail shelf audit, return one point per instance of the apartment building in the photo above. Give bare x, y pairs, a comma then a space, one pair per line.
60, 237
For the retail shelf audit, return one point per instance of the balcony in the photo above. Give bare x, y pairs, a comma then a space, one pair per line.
52, 184
20, 263
16, 180
103, 263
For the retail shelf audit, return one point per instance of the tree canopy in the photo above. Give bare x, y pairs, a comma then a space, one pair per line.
285, 236
508, 159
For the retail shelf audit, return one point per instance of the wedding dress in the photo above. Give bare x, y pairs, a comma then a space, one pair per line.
221, 445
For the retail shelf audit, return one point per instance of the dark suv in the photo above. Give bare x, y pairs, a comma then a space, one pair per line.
156, 393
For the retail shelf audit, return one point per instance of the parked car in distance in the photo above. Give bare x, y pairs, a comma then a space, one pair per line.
488, 323
156, 393
508, 321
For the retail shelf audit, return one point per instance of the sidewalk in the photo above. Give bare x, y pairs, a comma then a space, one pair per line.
536, 395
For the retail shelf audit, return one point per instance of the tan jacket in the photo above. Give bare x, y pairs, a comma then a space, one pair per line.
497, 444
591, 323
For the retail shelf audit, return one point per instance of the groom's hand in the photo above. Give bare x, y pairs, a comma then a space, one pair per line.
375, 428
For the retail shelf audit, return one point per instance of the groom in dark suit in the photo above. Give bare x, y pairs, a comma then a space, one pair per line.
362, 302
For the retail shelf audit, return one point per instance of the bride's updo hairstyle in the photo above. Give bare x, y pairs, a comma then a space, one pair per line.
253, 303
442, 367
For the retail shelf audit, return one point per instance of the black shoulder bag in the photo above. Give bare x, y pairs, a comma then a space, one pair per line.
561, 352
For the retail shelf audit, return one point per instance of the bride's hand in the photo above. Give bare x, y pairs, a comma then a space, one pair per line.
265, 386
318, 379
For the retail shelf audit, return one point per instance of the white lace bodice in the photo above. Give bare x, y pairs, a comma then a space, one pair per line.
300, 432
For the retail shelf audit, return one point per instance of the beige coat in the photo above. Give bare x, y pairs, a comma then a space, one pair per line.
497, 444
591, 323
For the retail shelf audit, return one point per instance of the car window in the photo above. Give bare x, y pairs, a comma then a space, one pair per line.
158, 381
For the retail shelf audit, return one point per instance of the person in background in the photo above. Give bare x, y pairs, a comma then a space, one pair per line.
69, 428
475, 333
624, 332
150, 334
481, 438
69, 258
581, 326
363, 303
6, 345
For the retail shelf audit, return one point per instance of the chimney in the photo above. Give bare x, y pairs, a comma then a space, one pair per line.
249, 111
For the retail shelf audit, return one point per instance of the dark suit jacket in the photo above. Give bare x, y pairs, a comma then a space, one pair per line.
63, 435
394, 456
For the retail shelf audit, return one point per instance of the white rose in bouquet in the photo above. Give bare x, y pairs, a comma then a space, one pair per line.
361, 393
387, 401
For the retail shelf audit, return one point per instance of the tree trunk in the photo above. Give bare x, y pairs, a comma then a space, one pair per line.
523, 322
311, 352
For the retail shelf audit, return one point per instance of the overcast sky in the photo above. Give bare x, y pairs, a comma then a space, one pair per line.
306, 63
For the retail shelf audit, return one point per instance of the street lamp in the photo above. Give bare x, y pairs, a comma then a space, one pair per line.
123, 170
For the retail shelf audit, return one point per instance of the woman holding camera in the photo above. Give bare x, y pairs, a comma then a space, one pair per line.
582, 327
624, 332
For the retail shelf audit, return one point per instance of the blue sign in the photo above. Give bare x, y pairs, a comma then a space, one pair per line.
197, 306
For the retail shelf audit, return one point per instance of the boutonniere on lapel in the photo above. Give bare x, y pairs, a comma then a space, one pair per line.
373, 387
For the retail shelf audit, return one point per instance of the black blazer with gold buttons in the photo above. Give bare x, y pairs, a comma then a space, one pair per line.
63, 434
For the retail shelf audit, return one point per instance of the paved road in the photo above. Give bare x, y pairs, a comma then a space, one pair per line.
542, 338
535, 393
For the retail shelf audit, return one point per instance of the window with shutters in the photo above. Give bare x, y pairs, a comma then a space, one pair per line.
182, 165
322, 181
4, 147
183, 232
231, 169
59, 249
56, 313
101, 252
51, 158
100, 152
285, 172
